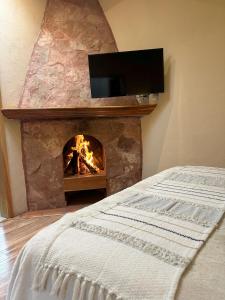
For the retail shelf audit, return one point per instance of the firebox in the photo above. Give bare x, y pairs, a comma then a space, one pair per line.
84, 166
83, 155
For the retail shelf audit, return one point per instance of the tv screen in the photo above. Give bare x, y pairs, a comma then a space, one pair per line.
126, 73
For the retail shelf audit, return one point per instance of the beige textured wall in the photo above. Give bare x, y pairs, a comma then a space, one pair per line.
20, 22
188, 126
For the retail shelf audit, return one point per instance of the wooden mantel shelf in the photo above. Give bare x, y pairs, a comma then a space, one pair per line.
78, 112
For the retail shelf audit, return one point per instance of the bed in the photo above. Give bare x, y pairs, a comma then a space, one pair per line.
163, 238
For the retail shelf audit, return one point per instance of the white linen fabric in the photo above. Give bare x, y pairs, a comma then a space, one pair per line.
135, 244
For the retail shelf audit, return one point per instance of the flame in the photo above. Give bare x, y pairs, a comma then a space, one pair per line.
82, 147
85, 157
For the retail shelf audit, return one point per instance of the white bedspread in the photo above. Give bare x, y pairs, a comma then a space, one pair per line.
132, 245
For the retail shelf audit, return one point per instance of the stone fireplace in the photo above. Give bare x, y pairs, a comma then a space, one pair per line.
56, 112
44, 163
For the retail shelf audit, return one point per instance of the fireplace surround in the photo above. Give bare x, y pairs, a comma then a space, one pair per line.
43, 143
45, 132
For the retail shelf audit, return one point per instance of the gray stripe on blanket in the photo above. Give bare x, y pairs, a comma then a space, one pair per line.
214, 180
158, 252
196, 213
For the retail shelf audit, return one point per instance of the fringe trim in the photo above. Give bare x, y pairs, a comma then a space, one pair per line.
83, 288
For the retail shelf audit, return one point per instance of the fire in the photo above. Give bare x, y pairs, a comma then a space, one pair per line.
85, 157
82, 147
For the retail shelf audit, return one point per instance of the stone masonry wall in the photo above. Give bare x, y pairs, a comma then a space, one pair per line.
43, 143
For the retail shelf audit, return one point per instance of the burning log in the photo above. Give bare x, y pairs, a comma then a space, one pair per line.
82, 148
84, 168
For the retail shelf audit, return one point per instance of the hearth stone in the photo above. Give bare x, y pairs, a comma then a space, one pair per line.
43, 142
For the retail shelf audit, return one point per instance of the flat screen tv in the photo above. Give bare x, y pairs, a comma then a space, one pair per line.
126, 73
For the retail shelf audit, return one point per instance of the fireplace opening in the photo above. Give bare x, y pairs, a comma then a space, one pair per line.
83, 155
84, 170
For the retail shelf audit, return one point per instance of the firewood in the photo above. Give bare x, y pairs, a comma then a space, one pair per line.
92, 169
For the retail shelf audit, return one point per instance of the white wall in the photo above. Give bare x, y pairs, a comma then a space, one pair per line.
188, 126
20, 22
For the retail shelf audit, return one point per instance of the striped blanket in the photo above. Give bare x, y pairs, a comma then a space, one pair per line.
135, 244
